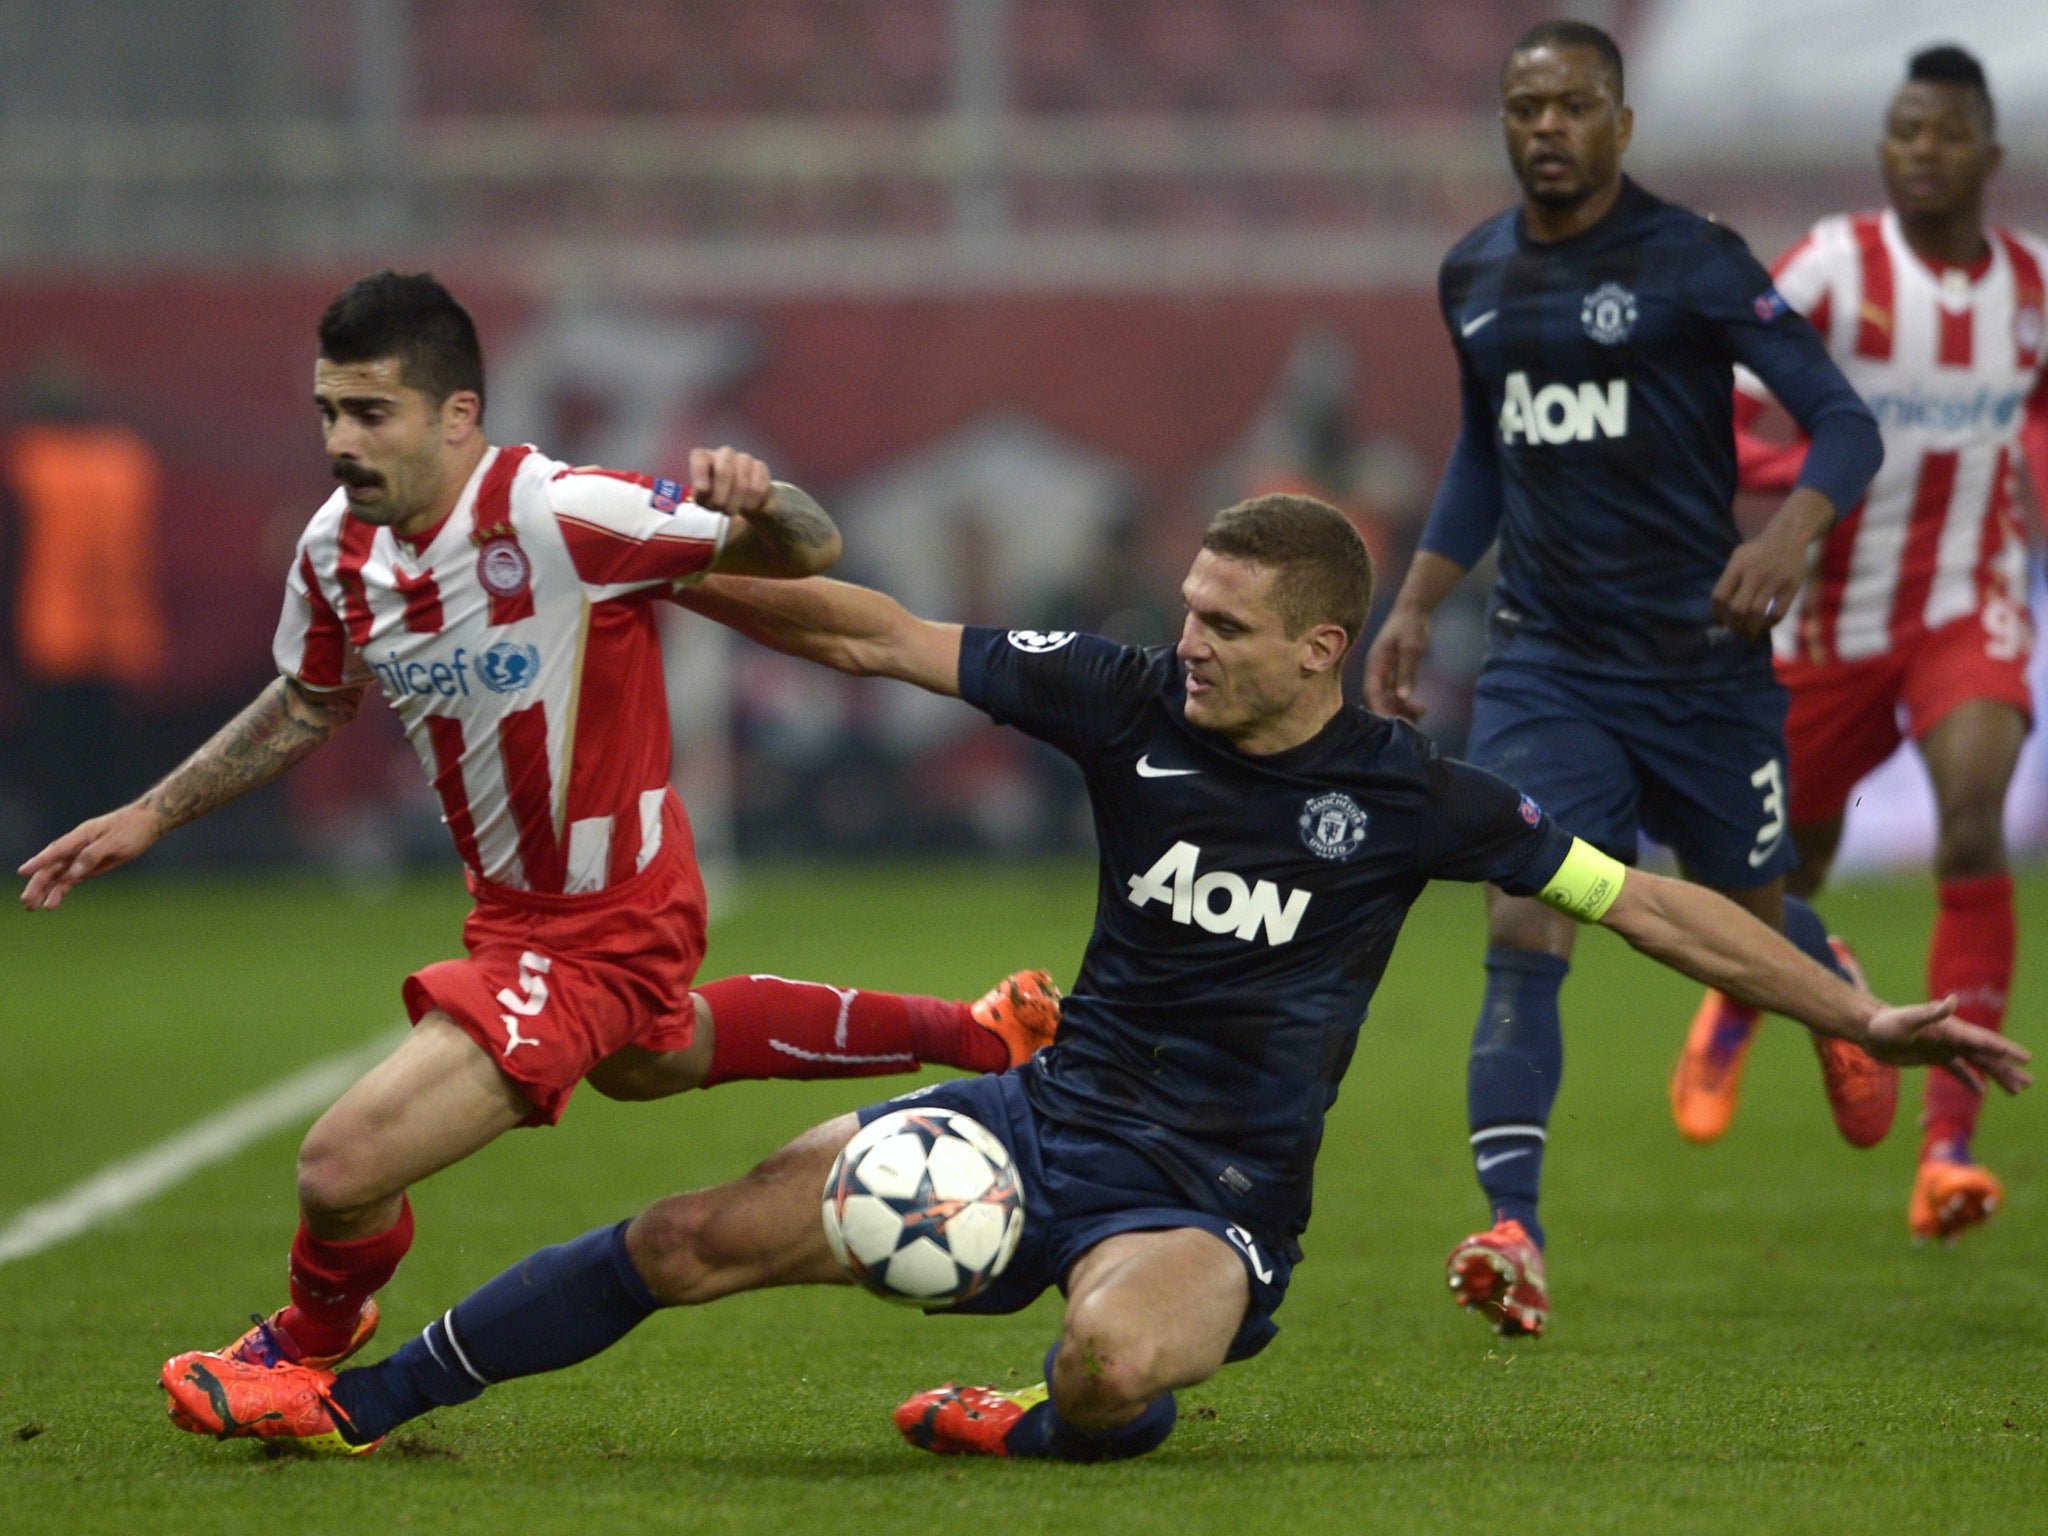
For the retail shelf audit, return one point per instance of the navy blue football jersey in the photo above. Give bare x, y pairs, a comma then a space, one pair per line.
1246, 909
1597, 437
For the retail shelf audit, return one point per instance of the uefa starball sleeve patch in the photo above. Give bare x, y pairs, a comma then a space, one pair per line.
1040, 642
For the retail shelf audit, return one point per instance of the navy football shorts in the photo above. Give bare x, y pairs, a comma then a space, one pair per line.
1080, 1188
1699, 768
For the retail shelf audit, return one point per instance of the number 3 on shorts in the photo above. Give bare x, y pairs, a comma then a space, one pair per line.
1771, 780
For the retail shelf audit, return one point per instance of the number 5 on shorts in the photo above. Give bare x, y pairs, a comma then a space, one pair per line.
533, 971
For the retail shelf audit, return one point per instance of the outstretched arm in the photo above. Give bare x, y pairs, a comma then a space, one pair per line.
1710, 939
286, 721
777, 529
850, 629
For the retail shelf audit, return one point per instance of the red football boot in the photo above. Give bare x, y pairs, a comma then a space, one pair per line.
1863, 1092
965, 1421
1499, 1275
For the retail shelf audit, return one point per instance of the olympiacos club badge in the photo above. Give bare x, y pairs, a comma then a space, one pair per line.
501, 565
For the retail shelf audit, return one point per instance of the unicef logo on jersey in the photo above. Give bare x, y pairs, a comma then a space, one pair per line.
1039, 641
1608, 314
508, 667
1333, 826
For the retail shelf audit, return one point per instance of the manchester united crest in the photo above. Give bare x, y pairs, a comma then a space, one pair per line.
1608, 314
1333, 826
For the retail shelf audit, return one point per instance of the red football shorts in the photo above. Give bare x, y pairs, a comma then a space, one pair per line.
554, 984
1849, 716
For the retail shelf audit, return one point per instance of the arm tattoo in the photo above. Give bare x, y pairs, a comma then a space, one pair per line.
285, 723
794, 522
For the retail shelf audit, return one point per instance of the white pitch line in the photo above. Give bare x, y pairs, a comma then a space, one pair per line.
130, 1182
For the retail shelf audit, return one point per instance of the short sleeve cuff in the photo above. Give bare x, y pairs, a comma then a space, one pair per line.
975, 640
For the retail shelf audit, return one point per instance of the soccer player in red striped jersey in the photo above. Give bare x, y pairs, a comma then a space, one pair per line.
504, 604
1915, 609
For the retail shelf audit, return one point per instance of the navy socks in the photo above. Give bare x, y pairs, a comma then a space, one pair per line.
1803, 926
1511, 1081
1043, 1433
551, 1309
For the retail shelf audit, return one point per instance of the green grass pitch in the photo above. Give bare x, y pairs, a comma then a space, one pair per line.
1743, 1339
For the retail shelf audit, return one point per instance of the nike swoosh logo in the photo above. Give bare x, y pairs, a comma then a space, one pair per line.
1147, 771
1484, 1163
1477, 323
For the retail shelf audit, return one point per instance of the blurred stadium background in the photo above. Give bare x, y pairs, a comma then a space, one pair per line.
1023, 289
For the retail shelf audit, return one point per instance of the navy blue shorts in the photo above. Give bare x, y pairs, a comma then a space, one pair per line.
1700, 769
1080, 1188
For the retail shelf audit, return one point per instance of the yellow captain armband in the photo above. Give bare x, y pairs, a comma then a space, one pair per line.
1585, 884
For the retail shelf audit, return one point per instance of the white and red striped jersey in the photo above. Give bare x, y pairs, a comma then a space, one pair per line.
517, 643
1950, 360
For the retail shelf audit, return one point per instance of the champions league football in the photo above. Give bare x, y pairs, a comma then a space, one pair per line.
923, 1207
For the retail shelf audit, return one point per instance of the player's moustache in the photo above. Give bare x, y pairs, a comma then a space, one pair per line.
350, 473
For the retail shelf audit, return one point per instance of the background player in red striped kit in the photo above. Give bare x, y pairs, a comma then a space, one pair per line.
503, 603
1916, 605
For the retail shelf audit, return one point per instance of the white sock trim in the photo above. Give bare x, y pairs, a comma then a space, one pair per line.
448, 1329
1494, 1132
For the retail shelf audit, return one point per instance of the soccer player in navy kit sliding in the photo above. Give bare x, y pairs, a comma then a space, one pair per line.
1261, 841
1629, 681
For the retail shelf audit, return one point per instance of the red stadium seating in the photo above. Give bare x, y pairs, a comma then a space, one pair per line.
769, 57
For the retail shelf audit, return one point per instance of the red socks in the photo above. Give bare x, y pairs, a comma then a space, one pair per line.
1975, 938
764, 1026
331, 1281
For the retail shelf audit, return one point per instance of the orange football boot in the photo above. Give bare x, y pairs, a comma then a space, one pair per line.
1708, 1076
1499, 1275
268, 1344
965, 1421
230, 1399
1950, 1198
1023, 1011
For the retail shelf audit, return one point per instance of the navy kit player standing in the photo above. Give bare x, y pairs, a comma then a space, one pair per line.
1629, 683
1261, 841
